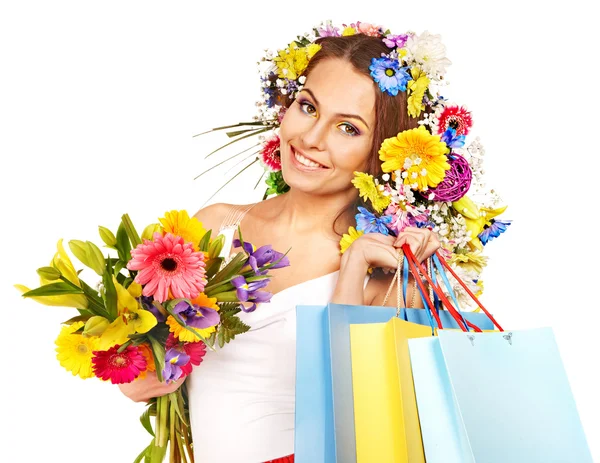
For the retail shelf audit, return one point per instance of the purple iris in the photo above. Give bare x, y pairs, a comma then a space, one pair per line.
174, 360
263, 256
147, 303
389, 75
395, 41
368, 222
494, 230
196, 316
451, 139
249, 292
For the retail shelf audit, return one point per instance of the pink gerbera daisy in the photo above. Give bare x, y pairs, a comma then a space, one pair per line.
456, 117
168, 264
270, 155
118, 367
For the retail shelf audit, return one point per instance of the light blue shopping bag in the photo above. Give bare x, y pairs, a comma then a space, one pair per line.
315, 436
496, 398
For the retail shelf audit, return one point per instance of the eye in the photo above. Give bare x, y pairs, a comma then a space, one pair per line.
307, 108
348, 129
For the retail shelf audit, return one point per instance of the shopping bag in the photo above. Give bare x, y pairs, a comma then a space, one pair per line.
315, 439
385, 409
496, 397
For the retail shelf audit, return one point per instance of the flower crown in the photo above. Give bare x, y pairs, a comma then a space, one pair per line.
428, 171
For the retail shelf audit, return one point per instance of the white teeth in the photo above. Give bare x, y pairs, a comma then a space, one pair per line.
304, 161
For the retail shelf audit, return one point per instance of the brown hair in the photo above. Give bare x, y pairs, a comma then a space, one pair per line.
391, 112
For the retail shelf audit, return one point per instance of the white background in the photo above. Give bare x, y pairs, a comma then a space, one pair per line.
99, 104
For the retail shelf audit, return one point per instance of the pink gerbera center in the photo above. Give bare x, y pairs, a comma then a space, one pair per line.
270, 154
456, 117
168, 264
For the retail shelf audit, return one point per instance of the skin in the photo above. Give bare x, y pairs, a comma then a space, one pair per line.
331, 122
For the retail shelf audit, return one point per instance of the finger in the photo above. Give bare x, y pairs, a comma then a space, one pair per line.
421, 236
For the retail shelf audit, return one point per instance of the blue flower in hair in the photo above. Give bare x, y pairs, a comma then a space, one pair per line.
389, 75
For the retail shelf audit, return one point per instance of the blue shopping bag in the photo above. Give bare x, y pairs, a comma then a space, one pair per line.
496, 397
315, 437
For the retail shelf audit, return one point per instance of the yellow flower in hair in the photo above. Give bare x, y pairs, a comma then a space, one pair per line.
416, 90
349, 238
368, 190
293, 60
420, 156
311, 50
179, 223
348, 31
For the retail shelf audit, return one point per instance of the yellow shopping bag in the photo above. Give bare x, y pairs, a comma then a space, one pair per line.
385, 408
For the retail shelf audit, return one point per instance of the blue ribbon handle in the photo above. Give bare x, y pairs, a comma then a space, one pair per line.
442, 273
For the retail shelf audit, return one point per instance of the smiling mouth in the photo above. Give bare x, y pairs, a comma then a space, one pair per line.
306, 162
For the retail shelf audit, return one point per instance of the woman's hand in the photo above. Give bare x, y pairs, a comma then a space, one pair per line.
381, 251
142, 390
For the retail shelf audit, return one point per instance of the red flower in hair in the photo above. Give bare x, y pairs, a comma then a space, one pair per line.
270, 155
456, 117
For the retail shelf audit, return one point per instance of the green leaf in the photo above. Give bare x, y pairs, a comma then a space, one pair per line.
227, 296
142, 455
49, 273
205, 241
227, 272
145, 419
78, 318
239, 124
221, 338
228, 159
123, 245
229, 181
158, 352
212, 267
53, 289
109, 295
133, 235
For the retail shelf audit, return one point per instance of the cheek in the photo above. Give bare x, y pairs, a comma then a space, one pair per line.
354, 157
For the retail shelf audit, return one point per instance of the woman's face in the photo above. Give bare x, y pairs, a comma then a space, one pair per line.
327, 132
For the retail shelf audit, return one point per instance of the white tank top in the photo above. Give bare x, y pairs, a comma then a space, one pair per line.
241, 398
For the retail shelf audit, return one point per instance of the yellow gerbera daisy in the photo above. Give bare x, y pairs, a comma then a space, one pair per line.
348, 31
416, 90
368, 190
419, 155
179, 223
186, 335
349, 238
75, 351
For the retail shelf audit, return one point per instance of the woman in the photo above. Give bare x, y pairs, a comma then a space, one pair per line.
242, 398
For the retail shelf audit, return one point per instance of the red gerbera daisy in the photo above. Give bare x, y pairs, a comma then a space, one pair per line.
167, 263
194, 350
270, 155
118, 367
456, 117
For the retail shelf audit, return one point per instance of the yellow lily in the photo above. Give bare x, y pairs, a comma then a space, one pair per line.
476, 218
63, 264
132, 318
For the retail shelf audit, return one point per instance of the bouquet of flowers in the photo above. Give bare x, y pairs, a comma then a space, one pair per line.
162, 300
431, 176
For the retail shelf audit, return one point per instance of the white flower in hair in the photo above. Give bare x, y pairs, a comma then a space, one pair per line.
429, 53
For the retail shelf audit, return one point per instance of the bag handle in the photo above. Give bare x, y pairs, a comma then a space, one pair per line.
466, 288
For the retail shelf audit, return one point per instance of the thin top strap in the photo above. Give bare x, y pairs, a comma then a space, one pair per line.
229, 226
234, 216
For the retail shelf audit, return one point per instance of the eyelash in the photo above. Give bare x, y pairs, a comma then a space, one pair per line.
303, 103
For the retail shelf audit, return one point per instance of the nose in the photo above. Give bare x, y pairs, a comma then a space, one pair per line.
314, 136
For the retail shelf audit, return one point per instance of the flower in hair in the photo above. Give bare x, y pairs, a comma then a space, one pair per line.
388, 74
418, 155
270, 155
429, 53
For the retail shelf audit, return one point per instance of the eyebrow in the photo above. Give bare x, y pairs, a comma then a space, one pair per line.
353, 116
